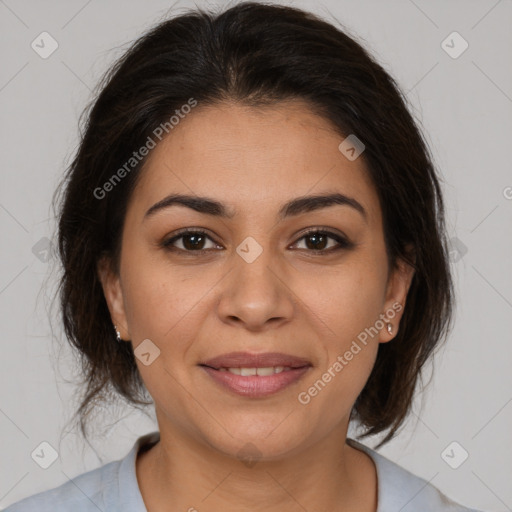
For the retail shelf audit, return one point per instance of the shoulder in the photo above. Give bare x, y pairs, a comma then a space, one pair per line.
399, 489
86, 492
111, 487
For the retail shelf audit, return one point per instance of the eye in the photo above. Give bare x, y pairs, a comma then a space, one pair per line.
191, 240
194, 240
316, 240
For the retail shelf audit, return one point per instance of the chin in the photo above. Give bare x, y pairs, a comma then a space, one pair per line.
258, 441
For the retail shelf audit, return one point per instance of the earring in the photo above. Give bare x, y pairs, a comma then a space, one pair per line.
118, 334
390, 328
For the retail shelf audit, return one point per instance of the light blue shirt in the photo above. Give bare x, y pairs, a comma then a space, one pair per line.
113, 487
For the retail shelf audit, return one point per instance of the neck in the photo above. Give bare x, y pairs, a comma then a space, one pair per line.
179, 473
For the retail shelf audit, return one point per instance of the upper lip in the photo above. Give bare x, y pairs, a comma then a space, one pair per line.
248, 360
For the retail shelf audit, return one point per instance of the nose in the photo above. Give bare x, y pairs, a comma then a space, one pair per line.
257, 295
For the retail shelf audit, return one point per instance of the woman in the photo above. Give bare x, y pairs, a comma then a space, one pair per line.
252, 233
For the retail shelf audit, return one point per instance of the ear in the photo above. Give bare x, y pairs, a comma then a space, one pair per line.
113, 293
398, 286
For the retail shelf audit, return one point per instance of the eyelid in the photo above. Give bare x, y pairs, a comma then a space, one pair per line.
342, 241
322, 229
180, 233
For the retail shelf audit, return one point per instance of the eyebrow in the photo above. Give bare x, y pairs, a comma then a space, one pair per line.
292, 208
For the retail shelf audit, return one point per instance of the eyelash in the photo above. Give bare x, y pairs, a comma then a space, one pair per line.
343, 243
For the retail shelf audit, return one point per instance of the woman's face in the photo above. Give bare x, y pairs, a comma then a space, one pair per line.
254, 281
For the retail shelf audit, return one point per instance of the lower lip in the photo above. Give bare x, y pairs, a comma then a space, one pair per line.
255, 386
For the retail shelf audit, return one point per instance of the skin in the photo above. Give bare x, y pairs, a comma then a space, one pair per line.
197, 306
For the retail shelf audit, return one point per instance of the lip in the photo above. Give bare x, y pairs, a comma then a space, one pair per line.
256, 386
248, 360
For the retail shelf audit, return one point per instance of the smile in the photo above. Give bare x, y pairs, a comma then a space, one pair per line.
255, 382
247, 372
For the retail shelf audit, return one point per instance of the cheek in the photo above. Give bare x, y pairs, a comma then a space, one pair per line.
346, 305
346, 300
161, 305
350, 348
167, 304
156, 297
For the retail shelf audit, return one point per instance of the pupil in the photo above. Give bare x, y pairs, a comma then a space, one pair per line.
194, 241
319, 239
194, 244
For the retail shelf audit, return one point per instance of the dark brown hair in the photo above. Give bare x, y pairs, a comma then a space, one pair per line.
256, 54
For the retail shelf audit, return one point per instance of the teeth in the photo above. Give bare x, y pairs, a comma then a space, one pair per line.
263, 372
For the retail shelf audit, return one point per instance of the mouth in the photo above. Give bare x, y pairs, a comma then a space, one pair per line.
262, 372
255, 375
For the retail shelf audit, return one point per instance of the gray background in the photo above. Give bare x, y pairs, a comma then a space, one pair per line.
465, 106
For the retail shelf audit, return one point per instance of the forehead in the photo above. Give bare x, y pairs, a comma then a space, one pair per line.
248, 157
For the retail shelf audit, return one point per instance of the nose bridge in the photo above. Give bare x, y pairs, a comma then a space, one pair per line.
254, 269
254, 291
255, 261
